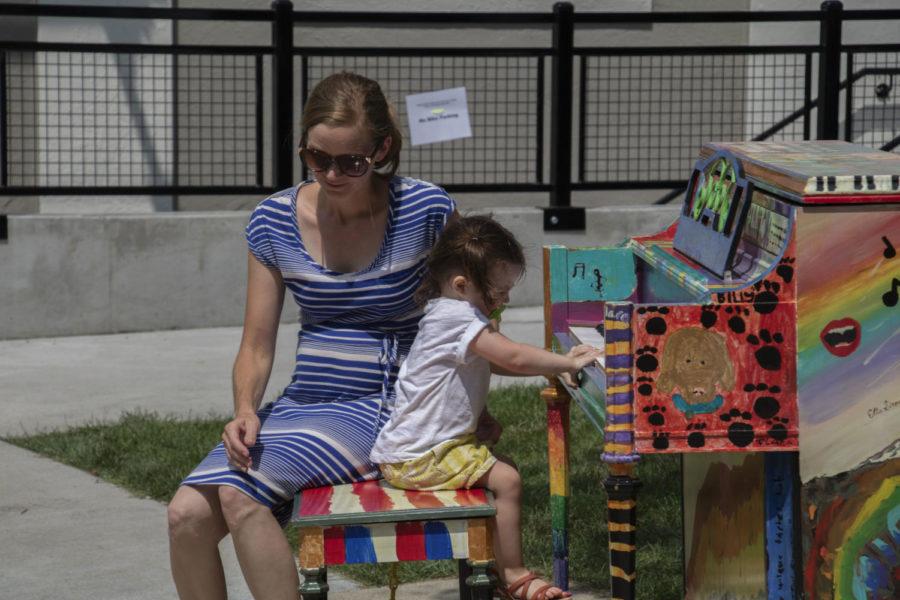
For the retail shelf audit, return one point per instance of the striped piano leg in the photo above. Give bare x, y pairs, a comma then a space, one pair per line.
557, 399
618, 451
621, 491
312, 564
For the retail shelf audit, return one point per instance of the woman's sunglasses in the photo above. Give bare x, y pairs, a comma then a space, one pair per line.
352, 165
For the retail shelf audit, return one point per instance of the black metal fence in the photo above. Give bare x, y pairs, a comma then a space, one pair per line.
192, 119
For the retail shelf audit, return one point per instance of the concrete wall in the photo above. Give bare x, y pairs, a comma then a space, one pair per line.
92, 274
70, 275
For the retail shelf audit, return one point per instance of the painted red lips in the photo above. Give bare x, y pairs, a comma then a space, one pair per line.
841, 337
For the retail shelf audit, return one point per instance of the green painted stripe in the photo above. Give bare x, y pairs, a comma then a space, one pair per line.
559, 512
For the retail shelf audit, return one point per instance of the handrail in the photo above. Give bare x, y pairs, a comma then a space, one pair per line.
794, 116
891, 144
432, 17
136, 12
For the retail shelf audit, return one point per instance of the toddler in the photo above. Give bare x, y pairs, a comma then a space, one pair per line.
439, 432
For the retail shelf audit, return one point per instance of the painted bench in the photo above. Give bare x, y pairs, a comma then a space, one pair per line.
373, 522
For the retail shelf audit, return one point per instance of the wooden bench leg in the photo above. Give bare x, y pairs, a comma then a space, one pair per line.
312, 564
315, 584
481, 581
464, 570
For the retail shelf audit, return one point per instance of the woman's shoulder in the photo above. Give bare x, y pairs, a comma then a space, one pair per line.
277, 207
413, 191
281, 199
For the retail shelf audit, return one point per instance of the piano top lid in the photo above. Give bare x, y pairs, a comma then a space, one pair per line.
818, 172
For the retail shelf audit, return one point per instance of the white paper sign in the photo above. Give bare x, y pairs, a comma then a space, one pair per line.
438, 116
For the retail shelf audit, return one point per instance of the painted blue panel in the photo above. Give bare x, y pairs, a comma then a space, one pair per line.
558, 290
708, 230
781, 575
358, 545
600, 274
437, 541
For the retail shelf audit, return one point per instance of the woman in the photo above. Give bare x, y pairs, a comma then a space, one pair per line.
350, 247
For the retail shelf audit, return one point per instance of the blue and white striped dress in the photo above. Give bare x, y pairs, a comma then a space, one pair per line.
355, 330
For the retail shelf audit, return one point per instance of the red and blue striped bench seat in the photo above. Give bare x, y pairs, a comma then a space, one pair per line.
372, 522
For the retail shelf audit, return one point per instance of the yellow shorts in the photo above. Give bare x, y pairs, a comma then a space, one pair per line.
451, 465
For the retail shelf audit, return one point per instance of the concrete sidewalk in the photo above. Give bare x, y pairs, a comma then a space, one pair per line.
51, 383
67, 534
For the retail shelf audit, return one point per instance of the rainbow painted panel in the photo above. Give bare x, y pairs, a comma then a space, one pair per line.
848, 339
393, 542
370, 502
848, 376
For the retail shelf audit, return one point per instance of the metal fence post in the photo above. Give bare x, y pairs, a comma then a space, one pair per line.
282, 93
829, 70
560, 214
4, 135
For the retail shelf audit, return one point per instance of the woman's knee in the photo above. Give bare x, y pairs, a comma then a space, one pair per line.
237, 506
195, 513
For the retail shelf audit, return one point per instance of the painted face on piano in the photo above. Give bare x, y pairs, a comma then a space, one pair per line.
695, 367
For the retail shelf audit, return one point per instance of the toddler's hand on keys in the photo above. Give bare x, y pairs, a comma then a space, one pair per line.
581, 356
568, 379
584, 355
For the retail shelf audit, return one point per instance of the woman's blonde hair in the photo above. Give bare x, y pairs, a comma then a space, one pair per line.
347, 100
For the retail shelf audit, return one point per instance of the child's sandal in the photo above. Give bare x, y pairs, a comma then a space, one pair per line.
518, 589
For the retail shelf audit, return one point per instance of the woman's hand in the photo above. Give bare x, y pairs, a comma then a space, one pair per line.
489, 429
238, 437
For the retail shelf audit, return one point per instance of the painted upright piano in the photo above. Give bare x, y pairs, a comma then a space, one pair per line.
759, 337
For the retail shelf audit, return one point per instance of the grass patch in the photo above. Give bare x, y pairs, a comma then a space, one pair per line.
149, 455
144, 453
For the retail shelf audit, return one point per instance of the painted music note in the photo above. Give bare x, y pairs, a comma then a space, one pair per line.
578, 267
890, 297
889, 250
598, 285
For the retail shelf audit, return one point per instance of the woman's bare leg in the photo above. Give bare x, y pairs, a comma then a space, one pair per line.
196, 527
503, 479
262, 550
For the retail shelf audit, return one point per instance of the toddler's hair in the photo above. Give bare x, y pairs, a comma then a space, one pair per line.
470, 246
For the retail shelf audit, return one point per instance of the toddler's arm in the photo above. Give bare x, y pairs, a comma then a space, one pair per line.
525, 359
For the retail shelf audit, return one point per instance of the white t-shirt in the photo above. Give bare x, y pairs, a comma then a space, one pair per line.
442, 386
